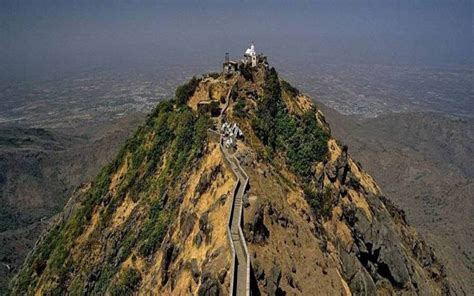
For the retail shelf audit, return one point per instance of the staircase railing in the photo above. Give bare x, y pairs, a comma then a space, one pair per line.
238, 171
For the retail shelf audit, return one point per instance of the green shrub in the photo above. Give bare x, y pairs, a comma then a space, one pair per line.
239, 109
289, 89
300, 137
185, 91
321, 202
58, 257
126, 247
212, 108
234, 94
246, 72
151, 236
215, 109
268, 108
76, 287
307, 145
214, 75
164, 107
106, 274
199, 138
127, 283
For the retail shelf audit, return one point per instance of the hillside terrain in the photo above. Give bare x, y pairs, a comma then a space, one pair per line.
424, 162
39, 170
154, 220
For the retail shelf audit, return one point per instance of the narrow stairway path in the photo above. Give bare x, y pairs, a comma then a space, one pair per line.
240, 270
240, 251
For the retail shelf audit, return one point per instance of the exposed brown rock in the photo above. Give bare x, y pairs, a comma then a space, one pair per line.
256, 231
209, 285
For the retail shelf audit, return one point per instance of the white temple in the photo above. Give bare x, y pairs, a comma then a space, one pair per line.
251, 58
250, 55
231, 132
251, 51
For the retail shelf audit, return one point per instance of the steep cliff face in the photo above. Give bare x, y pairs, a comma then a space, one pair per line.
155, 220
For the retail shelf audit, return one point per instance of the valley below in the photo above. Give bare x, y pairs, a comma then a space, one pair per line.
39, 170
424, 163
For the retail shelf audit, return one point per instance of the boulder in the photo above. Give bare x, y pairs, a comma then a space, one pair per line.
258, 271
198, 239
256, 231
292, 282
362, 284
343, 191
352, 181
273, 281
195, 272
209, 285
283, 220
379, 245
168, 257
358, 278
246, 202
222, 275
342, 165
331, 172
187, 224
349, 213
204, 225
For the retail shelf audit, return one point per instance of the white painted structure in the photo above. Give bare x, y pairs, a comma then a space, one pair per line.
230, 133
251, 55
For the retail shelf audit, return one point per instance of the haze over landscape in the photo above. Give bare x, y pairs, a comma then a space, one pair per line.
393, 55
394, 79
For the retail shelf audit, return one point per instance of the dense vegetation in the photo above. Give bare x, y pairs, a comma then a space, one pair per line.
300, 137
321, 201
234, 93
246, 71
239, 109
212, 108
127, 281
185, 91
150, 180
214, 75
289, 89
269, 107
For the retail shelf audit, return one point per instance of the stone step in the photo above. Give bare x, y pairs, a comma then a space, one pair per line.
241, 273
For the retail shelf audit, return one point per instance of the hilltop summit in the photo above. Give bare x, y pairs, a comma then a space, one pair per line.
235, 186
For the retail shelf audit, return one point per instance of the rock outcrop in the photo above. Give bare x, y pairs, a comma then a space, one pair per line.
256, 231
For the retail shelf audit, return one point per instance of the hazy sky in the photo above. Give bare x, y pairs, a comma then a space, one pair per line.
42, 38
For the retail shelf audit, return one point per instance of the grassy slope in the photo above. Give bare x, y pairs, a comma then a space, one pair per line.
144, 173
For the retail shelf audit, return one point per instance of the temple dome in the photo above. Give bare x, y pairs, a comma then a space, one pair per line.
251, 50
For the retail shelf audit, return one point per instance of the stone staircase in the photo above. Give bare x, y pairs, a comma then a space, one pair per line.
240, 268
240, 279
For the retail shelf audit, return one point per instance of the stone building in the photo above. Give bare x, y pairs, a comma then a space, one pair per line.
229, 67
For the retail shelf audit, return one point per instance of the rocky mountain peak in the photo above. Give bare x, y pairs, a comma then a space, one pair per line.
160, 219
